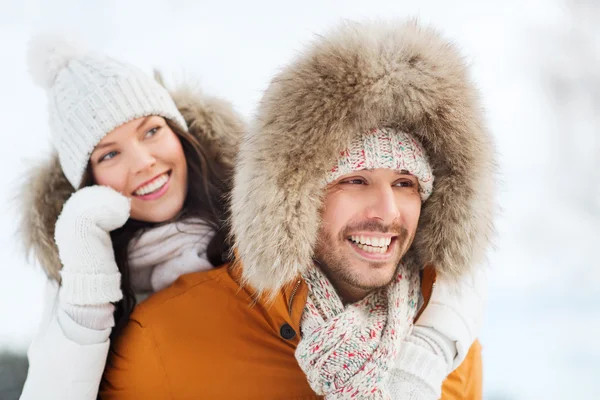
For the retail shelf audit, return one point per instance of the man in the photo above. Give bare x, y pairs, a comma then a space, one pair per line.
367, 162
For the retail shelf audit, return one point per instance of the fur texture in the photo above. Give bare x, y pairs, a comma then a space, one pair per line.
358, 77
45, 189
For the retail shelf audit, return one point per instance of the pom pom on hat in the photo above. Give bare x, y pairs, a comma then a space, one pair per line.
48, 54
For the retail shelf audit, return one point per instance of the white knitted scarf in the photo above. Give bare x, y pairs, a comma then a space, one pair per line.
346, 351
162, 254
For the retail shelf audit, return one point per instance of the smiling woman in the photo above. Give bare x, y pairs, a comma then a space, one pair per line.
132, 199
144, 160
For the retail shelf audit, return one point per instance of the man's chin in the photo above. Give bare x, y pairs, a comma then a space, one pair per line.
374, 275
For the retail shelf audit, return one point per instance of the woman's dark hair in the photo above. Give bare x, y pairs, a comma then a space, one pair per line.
206, 200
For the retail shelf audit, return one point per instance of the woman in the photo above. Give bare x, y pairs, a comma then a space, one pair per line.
133, 198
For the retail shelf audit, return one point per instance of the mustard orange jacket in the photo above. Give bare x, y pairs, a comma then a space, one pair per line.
206, 337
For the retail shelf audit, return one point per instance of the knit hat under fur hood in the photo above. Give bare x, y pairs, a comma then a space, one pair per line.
358, 77
45, 189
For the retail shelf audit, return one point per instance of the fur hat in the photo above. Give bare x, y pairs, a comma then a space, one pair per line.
89, 95
358, 77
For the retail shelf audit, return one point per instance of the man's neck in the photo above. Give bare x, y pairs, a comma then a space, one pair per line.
347, 292
350, 295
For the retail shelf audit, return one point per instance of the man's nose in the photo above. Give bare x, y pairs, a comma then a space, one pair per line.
383, 205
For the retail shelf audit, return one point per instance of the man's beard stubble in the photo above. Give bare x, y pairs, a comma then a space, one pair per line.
330, 257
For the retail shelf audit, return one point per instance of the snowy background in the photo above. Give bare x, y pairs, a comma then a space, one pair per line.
537, 63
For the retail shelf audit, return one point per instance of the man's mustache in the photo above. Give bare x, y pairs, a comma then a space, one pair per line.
395, 229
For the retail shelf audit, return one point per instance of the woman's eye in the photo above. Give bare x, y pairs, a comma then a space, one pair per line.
108, 156
152, 132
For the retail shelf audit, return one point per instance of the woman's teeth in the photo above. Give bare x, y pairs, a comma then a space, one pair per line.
153, 186
372, 244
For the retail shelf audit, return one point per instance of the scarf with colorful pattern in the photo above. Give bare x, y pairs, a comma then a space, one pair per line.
346, 351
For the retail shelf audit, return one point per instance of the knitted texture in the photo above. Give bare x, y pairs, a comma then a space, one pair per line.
162, 254
346, 351
91, 95
90, 275
98, 317
386, 148
156, 259
420, 367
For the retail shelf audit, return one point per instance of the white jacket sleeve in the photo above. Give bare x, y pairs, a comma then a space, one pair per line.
440, 339
60, 367
456, 312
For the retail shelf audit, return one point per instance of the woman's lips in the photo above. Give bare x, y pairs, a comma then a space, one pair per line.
157, 188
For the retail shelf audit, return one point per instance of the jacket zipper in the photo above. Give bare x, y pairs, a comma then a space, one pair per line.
293, 294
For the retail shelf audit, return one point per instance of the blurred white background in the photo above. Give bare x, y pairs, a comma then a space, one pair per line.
538, 66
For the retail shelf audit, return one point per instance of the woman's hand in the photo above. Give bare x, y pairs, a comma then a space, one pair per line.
90, 274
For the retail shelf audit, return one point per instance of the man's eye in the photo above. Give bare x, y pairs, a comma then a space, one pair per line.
108, 156
355, 181
406, 183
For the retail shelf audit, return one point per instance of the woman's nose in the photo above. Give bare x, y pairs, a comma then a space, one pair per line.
142, 160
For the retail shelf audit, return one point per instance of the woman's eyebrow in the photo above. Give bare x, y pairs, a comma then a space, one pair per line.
142, 122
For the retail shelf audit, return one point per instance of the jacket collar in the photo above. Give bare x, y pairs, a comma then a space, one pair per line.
288, 304
283, 306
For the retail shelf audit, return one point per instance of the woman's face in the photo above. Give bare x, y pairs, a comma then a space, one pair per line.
144, 160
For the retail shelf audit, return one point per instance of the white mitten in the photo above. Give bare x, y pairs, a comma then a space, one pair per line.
418, 370
90, 275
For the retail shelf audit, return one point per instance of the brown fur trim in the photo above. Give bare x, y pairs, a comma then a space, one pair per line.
43, 194
45, 189
359, 77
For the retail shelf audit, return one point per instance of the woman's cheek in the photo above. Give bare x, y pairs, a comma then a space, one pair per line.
113, 181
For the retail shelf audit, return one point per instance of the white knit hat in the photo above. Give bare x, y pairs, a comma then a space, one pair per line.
89, 95
386, 148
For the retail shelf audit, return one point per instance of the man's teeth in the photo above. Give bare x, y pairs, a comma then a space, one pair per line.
372, 244
372, 241
152, 186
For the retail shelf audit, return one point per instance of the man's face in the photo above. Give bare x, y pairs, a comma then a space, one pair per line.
369, 221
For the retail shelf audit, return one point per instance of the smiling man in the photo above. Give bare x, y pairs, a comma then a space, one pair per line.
371, 211
366, 174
